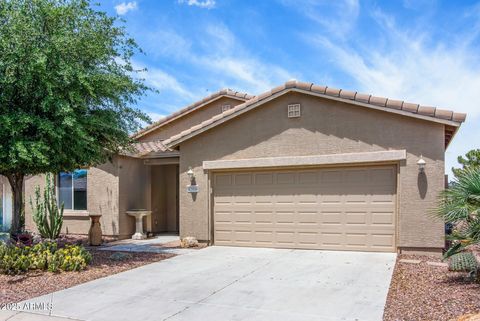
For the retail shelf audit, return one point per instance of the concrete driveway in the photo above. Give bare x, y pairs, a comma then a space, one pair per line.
226, 283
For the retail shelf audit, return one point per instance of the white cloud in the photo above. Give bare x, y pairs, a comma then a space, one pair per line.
207, 4
336, 17
405, 65
163, 81
125, 7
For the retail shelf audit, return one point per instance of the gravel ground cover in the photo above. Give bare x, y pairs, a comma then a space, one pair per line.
21, 287
425, 292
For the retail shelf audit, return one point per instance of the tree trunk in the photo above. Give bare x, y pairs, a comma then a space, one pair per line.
16, 183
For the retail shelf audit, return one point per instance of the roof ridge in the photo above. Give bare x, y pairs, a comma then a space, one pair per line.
341, 94
220, 93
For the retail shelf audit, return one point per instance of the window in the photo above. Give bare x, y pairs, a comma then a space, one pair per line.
293, 110
225, 108
72, 189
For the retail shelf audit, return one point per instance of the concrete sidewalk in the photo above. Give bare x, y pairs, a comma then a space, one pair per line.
225, 283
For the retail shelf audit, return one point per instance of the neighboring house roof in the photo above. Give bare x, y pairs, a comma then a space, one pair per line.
451, 120
196, 105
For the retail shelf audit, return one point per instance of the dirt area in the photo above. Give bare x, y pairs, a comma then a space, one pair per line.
425, 292
22, 287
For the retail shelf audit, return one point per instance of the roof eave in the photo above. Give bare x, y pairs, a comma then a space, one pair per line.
233, 113
161, 123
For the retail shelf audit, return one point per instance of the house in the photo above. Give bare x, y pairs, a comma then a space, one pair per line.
299, 166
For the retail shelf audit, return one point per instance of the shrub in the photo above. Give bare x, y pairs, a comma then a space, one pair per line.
46, 214
460, 206
16, 259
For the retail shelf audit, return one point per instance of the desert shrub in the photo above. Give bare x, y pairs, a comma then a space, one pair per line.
460, 206
16, 259
46, 214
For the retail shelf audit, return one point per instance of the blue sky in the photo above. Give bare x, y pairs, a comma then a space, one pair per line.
422, 51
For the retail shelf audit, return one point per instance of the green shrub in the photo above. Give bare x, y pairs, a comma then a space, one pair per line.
16, 259
46, 214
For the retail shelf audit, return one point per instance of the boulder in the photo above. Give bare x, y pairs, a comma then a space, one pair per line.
189, 241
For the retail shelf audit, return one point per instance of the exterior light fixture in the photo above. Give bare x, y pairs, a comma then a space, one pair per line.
190, 174
421, 164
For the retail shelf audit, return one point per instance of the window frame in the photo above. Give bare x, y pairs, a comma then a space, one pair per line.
71, 211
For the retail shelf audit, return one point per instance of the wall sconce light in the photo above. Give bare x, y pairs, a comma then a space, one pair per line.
191, 174
421, 164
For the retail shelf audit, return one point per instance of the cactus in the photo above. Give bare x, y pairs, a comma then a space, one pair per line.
46, 214
463, 262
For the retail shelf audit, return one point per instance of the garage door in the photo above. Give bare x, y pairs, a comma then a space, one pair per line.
334, 208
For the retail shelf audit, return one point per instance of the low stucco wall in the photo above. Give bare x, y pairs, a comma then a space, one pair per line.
325, 127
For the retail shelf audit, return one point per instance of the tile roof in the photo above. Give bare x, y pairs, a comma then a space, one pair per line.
221, 93
447, 117
143, 149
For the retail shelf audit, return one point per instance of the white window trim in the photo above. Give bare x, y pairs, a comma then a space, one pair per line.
70, 211
294, 111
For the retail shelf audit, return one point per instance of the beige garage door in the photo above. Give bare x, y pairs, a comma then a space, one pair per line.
334, 209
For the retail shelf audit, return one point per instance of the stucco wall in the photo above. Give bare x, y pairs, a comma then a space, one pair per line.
325, 127
134, 191
102, 198
189, 120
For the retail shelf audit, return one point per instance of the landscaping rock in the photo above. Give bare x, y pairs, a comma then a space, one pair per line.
119, 256
189, 241
410, 261
437, 264
469, 317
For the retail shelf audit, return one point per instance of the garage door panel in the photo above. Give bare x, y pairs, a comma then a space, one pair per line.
337, 209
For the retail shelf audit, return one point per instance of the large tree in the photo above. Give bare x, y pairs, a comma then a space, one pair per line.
470, 161
67, 87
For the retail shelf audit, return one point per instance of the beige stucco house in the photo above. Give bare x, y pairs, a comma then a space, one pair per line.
300, 166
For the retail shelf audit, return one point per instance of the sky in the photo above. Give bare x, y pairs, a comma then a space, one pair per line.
421, 51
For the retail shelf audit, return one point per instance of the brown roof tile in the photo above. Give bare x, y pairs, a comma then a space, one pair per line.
378, 101
426, 110
459, 117
444, 114
395, 104
387, 104
318, 89
413, 108
364, 98
332, 92
348, 94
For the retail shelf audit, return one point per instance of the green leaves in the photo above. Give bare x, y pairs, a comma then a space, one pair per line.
471, 160
64, 93
65, 100
460, 205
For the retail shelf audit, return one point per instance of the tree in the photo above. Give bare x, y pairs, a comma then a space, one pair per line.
460, 206
66, 89
471, 160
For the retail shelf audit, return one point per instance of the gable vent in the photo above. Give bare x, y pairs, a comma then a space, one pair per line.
225, 108
294, 111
